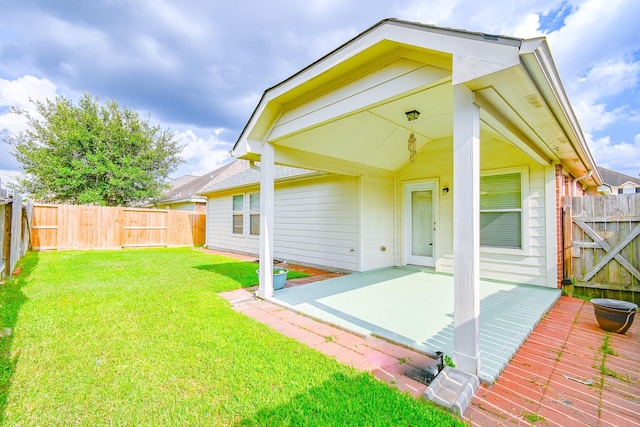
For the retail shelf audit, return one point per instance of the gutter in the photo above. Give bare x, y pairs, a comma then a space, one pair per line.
538, 62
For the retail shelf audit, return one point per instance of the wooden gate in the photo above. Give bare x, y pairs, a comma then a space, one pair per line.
605, 245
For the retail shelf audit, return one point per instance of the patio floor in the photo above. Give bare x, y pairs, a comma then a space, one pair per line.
414, 307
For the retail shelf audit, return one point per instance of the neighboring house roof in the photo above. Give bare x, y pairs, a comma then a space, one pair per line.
616, 179
191, 189
182, 180
252, 176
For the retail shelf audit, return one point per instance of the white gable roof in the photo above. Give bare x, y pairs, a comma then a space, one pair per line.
515, 82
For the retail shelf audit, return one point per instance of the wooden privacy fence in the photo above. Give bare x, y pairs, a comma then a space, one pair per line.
98, 227
15, 219
602, 245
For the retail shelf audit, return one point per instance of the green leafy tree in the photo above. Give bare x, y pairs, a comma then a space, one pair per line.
92, 154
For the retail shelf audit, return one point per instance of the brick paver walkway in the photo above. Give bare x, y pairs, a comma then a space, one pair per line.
534, 388
391, 363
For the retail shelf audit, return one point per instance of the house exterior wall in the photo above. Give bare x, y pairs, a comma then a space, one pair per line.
220, 224
356, 223
529, 265
378, 222
316, 222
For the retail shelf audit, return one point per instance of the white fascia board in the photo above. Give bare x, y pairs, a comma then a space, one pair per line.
604, 190
538, 62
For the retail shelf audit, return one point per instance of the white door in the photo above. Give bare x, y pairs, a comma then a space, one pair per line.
420, 223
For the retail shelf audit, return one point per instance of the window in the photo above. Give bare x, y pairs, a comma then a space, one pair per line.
238, 214
246, 206
254, 213
501, 211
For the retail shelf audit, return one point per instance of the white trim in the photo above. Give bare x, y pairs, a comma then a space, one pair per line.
551, 231
466, 231
361, 215
267, 203
432, 184
524, 206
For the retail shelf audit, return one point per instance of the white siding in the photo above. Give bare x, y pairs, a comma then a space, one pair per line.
377, 218
339, 222
531, 265
220, 226
316, 223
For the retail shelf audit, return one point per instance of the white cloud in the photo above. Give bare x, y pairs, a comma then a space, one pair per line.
203, 154
604, 80
623, 157
17, 93
528, 27
432, 13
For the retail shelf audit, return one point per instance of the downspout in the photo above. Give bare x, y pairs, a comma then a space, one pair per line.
252, 165
206, 228
575, 181
566, 280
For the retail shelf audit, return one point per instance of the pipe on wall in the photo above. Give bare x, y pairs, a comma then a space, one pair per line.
575, 182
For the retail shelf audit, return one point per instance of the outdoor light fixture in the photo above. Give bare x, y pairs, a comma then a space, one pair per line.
412, 115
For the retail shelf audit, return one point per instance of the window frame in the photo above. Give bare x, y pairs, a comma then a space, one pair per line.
253, 212
524, 211
246, 214
237, 213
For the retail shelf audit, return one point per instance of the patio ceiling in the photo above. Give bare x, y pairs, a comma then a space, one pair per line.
377, 136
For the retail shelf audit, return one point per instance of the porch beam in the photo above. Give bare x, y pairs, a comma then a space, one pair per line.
466, 230
267, 194
493, 118
288, 156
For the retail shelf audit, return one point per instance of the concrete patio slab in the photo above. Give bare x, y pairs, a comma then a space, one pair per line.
414, 307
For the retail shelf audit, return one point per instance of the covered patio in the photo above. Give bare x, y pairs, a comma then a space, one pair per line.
415, 307
439, 148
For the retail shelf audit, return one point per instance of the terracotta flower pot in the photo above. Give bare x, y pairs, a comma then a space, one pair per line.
614, 315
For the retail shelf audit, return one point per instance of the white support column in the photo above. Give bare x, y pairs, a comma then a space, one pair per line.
466, 230
267, 193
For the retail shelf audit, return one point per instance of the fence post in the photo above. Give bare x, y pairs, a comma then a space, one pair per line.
5, 234
16, 231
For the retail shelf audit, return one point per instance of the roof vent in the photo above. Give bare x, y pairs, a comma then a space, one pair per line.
533, 100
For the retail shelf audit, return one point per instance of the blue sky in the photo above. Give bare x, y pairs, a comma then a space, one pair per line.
199, 68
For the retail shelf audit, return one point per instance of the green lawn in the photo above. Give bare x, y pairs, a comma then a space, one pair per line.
140, 337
